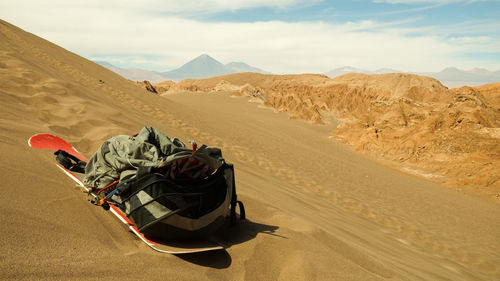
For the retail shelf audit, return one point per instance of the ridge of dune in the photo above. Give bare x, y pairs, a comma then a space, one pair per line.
410, 122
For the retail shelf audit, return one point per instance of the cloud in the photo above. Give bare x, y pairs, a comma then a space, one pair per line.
471, 40
150, 7
131, 38
426, 1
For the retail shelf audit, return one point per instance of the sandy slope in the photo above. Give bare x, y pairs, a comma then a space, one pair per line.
316, 209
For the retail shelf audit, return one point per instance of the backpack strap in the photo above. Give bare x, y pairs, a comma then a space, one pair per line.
234, 202
70, 162
242, 210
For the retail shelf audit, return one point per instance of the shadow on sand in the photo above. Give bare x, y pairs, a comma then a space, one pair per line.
243, 231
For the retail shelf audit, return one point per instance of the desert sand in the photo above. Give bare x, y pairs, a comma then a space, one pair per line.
316, 209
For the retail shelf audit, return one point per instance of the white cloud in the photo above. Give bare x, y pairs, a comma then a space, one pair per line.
280, 47
471, 40
150, 7
427, 1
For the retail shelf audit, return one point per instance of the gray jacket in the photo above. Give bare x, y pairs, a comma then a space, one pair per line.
119, 157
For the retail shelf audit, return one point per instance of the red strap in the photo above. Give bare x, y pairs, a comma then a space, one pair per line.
108, 186
195, 146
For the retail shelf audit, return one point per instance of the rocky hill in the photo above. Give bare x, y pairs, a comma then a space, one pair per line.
411, 122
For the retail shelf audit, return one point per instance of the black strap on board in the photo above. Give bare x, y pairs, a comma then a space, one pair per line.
70, 162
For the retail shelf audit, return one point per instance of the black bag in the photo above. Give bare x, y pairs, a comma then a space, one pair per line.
189, 194
166, 208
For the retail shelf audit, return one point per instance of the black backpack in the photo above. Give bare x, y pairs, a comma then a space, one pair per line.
166, 207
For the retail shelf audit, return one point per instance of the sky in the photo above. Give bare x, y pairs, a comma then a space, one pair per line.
284, 36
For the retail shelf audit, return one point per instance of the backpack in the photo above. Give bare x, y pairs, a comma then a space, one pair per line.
166, 208
190, 193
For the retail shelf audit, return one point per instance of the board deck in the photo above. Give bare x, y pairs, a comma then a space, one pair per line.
54, 143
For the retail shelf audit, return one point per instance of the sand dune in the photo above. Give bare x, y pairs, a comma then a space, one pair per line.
410, 122
316, 209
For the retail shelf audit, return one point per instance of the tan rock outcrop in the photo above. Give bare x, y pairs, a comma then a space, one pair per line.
164, 86
146, 85
412, 122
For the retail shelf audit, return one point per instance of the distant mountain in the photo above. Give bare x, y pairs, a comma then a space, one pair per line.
343, 70
237, 67
386, 70
205, 66
454, 77
348, 69
450, 76
134, 74
480, 71
106, 64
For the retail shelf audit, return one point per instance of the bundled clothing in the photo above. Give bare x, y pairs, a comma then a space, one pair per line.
121, 156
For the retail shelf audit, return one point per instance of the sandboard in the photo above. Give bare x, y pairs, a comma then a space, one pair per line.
54, 143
